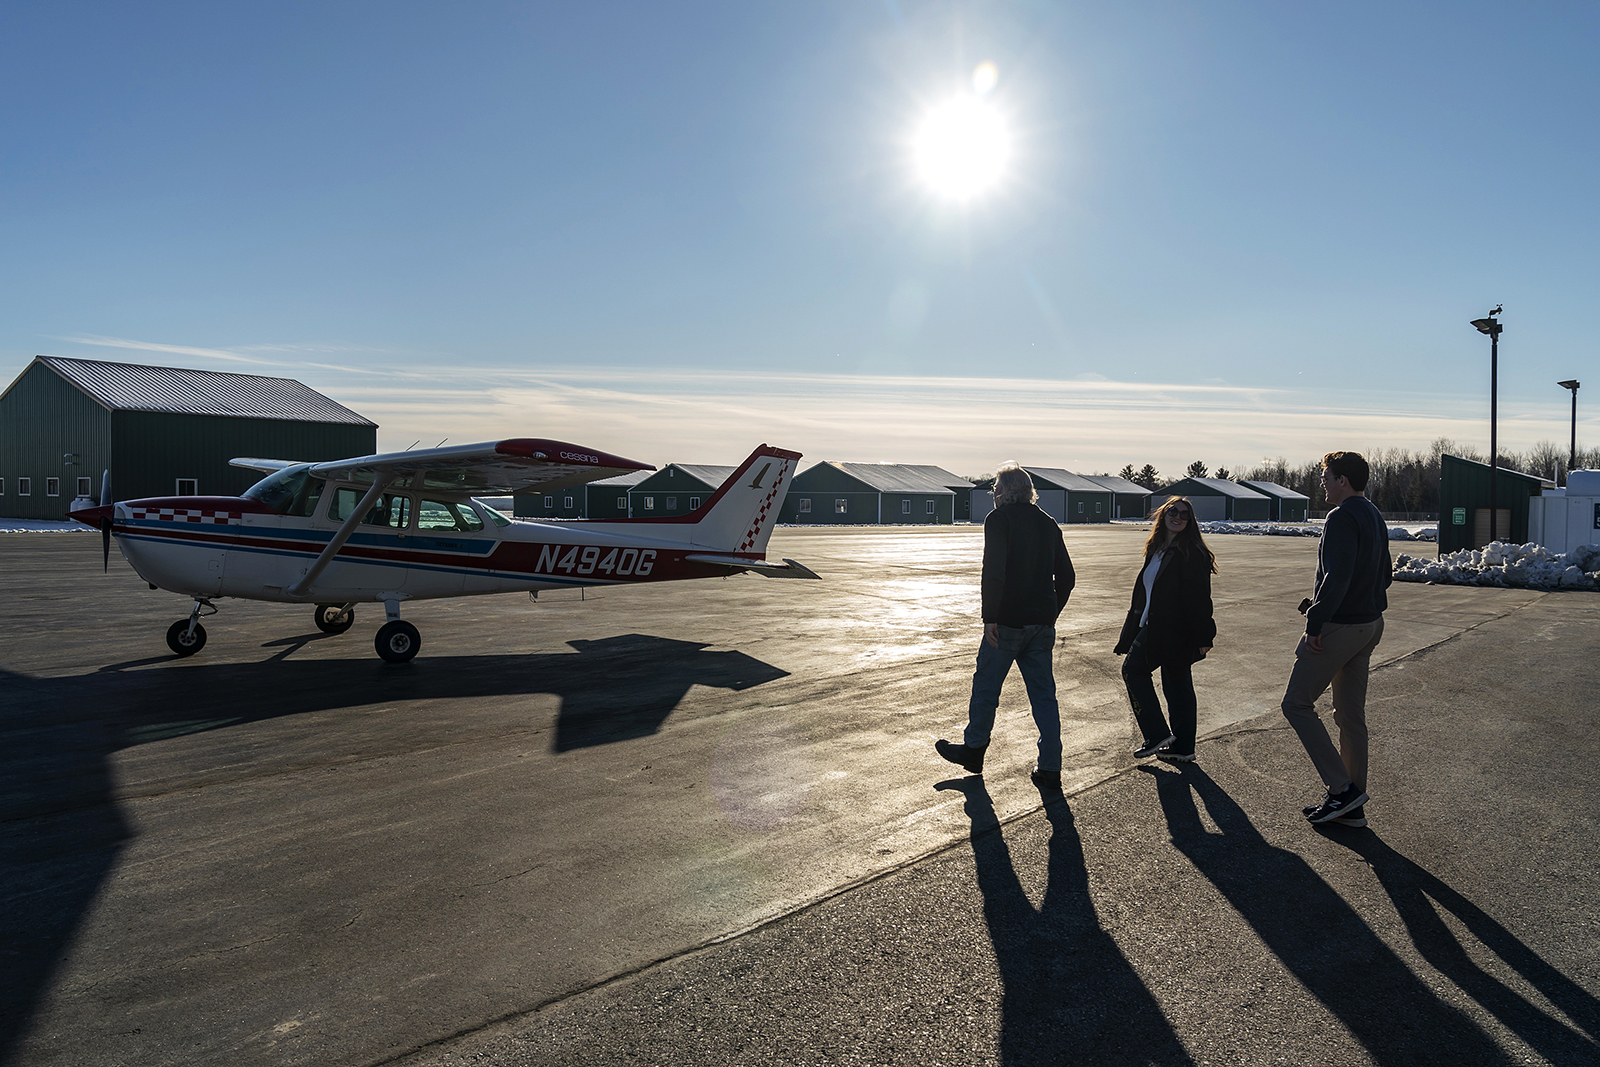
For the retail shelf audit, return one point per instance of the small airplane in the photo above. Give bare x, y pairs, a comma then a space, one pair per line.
404, 526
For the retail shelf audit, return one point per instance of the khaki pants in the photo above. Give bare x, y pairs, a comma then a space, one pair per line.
1343, 662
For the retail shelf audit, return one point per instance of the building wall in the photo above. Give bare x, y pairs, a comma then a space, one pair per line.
1247, 510
570, 503
41, 418
152, 450
1088, 507
861, 508
912, 509
1464, 485
1129, 505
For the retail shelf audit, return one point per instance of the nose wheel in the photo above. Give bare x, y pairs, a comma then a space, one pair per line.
398, 641
335, 618
185, 638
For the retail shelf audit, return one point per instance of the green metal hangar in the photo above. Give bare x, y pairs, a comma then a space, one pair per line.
1217, 499
1129, 500
160, 431
1064, 496
857, 494
1287, 505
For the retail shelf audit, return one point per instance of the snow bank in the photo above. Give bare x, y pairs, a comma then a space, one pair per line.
43, 526
1278, 529
1527, 566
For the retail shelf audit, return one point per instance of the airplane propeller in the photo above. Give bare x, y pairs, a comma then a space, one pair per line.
105, 522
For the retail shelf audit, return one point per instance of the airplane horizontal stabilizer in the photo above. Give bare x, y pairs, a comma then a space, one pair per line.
787, 569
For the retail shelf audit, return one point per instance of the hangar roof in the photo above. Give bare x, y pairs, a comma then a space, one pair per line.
1282, 492
1118, 485
903, 477
1057, 478
137, 387
1210, 487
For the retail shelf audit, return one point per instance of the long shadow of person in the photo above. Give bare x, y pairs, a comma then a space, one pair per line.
1317, 936
1069, 996
62, 830
1416, 895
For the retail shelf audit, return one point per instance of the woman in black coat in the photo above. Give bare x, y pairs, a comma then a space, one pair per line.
1170, 627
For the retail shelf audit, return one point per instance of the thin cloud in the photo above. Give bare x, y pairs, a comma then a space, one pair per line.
154, 346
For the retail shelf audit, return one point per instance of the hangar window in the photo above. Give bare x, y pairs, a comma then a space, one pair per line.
694, 502
566, 502
622, 503
52, 487
24, 486
1080, 507
549, 501
929, 508
1097, 507
905, 507
187, 487
841, 506
83, 487
2, 487
805, 505
649, 503
672, 503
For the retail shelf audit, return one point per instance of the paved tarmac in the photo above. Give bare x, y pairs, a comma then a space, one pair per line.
284, 851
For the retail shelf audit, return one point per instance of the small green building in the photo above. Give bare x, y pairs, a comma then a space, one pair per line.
676, 489
160, 431
1217, 499
1464, 503
1286, 504
1129, 500
604, 499
856, 494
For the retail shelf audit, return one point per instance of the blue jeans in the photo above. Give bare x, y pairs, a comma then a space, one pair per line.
1031, 648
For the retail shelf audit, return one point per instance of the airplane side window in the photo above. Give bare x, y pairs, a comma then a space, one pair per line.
393, 510
435, 515
492, 514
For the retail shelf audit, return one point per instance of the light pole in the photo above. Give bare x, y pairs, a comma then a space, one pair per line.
1489, 325
1572, 456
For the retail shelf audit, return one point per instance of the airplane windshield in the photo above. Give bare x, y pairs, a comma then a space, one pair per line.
291, 491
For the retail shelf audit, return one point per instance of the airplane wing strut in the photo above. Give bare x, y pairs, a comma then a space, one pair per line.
303, 586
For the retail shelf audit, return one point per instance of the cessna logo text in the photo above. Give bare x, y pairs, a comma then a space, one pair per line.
580, 457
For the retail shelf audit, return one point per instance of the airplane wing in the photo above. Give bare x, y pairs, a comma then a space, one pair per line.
266, 465
518, 465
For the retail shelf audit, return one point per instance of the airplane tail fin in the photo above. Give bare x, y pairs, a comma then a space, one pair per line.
739, 517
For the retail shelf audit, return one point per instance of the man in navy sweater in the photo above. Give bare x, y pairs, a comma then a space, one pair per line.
1344, 623
1027, 577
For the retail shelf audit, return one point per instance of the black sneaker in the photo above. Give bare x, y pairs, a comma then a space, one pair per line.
968, 757
1167, 754
1150, 748
1047, 781
1349, 802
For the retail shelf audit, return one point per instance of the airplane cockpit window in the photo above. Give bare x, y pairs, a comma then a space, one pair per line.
438, 515
291, 491
392, 510
492, 514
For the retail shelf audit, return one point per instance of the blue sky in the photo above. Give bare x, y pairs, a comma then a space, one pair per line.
1226, 230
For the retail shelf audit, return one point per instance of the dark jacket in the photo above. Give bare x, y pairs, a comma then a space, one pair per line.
1027, 574
1180, 610
1353, 567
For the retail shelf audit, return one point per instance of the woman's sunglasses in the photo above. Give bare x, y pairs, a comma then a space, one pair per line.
1177, 514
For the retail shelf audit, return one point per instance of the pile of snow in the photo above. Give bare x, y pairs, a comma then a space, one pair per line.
1278, 529
43, 526
1527, 566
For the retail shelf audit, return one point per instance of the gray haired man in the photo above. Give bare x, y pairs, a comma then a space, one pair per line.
1027, 577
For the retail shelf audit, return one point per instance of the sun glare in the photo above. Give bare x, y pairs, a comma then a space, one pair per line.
961, 148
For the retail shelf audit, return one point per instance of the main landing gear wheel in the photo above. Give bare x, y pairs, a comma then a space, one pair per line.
184, 643
397, 641
335, 618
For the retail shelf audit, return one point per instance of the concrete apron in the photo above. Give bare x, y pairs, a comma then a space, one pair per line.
322, 859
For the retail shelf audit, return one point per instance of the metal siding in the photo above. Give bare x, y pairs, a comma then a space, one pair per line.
863, 509
176, 390
1465, 484
151, 450
42, 417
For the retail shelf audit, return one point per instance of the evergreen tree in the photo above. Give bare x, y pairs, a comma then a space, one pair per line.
1196, 469
1148, 477
1128, 473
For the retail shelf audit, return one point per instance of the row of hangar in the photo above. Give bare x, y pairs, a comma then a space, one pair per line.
857, 494
168, 431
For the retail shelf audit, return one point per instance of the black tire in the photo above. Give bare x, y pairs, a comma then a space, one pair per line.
398, 641
181, 641
335, 618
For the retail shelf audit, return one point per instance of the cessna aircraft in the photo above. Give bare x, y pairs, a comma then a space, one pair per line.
404, 526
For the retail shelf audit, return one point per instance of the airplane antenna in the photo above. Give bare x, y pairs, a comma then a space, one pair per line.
413, 444
442, 440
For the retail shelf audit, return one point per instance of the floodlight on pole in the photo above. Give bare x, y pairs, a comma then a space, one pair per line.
1491, 326
1572, 456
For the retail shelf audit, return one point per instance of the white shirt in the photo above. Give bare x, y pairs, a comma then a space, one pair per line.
1151, 570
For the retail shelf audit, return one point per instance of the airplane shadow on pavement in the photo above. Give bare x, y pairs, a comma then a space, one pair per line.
61, 830
1317, 936
1070, 995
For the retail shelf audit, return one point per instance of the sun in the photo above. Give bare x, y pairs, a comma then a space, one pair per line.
961, 148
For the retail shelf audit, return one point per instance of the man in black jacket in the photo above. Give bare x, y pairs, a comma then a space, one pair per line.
1344, 623
1027, 577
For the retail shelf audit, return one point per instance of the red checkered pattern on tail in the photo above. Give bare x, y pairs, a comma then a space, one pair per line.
749, 542
185, 515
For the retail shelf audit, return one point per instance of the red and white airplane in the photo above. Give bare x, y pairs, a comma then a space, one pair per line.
405, 526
